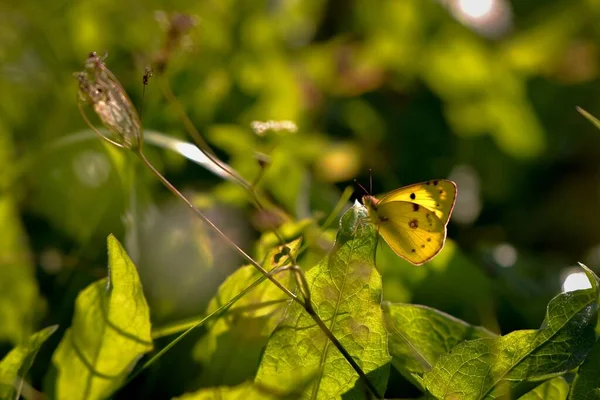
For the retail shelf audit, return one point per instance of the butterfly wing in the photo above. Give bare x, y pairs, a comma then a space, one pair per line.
438, 196
413, 232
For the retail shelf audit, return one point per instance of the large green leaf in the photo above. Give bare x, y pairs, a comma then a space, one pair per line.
554, 389
586, 385
418, 335
491, 368
109, 333
232, 347
16, 363
346, 293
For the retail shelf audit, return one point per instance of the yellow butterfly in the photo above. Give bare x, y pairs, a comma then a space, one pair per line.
412, 219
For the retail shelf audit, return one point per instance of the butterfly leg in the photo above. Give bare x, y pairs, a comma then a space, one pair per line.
360, 222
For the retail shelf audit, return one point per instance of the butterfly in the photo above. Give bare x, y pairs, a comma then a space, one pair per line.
412, 220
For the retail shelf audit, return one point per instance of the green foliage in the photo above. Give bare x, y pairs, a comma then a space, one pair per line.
251, 391
18, 288
411, 89
418, 335
15, 365
231, 349
587, 382
346, 292
553, 389
109, 333
495, 367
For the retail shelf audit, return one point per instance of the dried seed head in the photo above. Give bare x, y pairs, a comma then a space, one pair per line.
99, 88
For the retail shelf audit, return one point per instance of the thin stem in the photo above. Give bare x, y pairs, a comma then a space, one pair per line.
206, 149
226, 238
189, 125
218, 312
171, 329
307, 305
311, 311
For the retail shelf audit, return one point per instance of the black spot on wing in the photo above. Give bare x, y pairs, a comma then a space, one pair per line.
415, 207
412, 196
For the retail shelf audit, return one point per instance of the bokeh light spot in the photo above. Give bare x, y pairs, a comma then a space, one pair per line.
505, 255
476, 8
575, 280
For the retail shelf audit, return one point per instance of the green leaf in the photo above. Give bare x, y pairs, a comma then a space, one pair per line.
109, 333
586, 385
16, 363
346, 294
491, 368
554, 389
232, 347
418, 335
250, 391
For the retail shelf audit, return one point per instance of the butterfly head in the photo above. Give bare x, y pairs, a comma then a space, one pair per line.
370, 201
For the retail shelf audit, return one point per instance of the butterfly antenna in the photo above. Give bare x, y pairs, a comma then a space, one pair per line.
370, 181
361, 186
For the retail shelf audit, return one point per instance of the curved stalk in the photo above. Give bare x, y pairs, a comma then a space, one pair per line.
206, 149
226, 238
305, 303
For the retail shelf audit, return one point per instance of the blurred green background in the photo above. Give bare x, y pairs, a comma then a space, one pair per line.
482, 92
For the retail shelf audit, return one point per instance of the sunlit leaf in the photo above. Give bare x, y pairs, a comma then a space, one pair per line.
346, 293
586, 385
491, 368
418, 335
109, 333
250, 391
554, 389
232, 347
16, 363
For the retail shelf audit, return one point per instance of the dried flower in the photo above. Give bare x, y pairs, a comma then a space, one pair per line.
99, 88
261, 128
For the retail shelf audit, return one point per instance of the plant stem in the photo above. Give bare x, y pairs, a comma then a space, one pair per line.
311, 311
209, 153
226, 238
216, 313
305, 303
